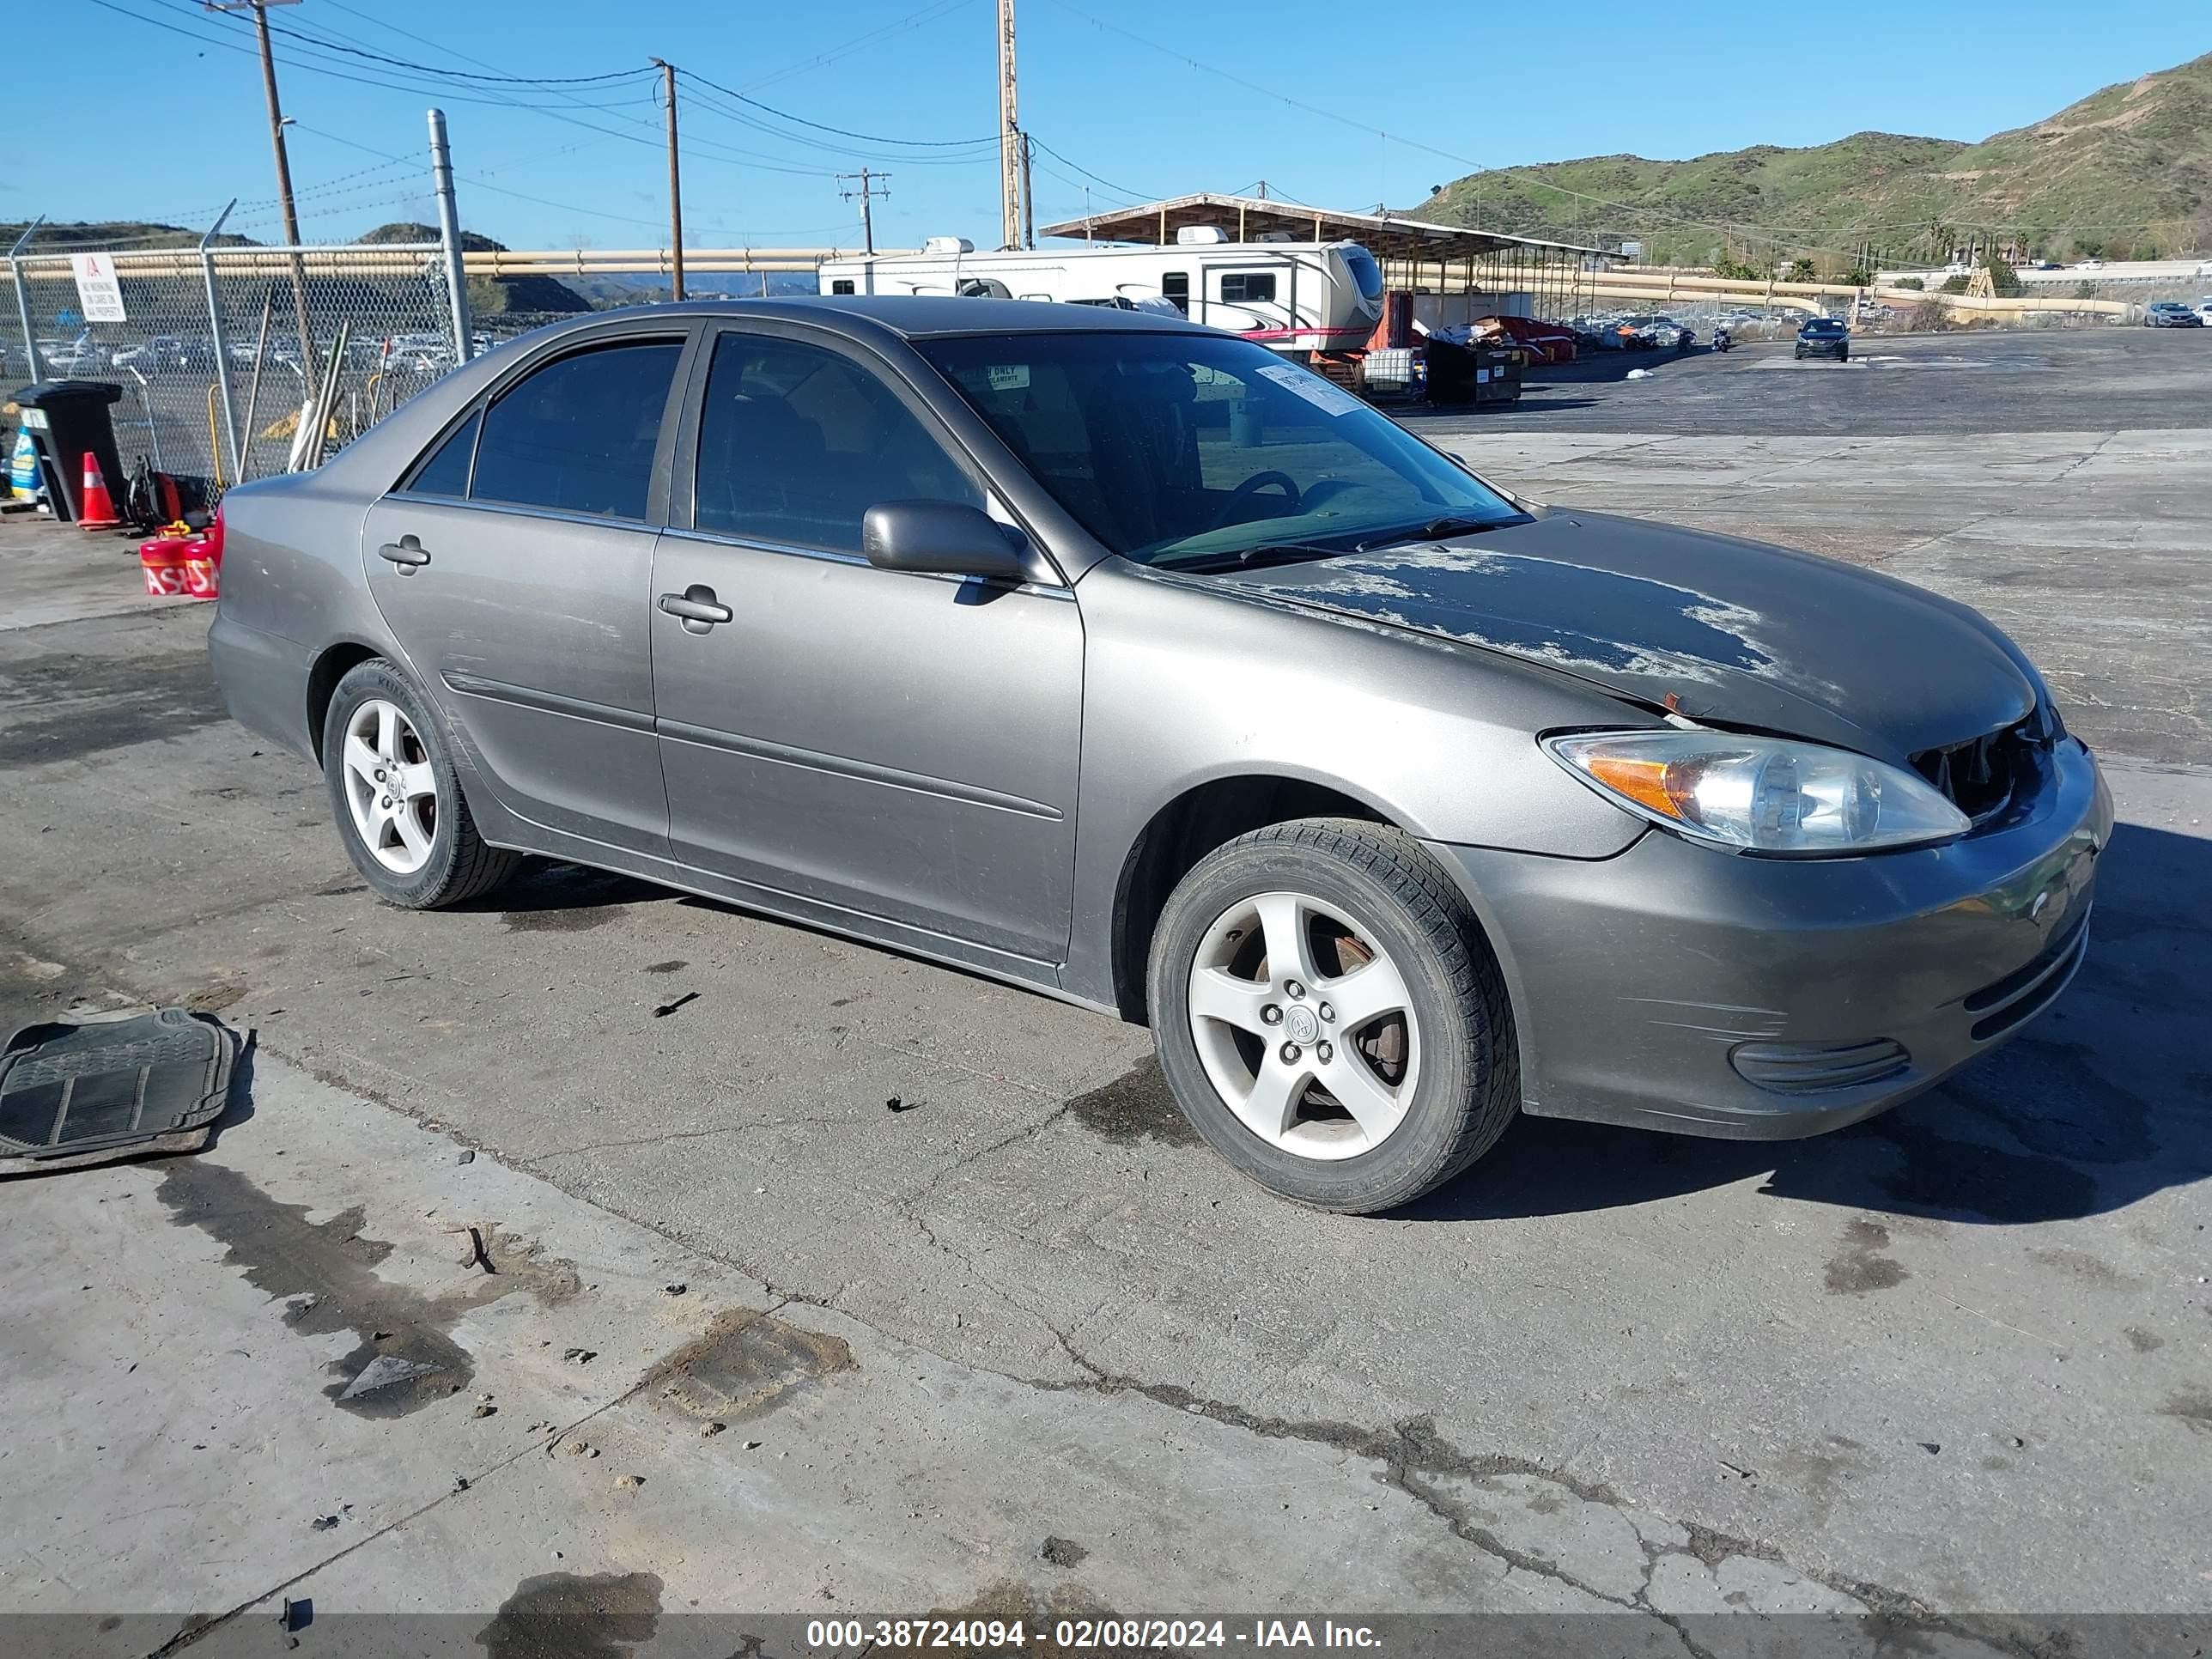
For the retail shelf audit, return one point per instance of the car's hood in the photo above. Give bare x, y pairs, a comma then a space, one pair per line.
1718, 629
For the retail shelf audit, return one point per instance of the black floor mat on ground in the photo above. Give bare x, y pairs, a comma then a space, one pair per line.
83, 1094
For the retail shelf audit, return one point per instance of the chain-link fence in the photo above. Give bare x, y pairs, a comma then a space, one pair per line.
223, 351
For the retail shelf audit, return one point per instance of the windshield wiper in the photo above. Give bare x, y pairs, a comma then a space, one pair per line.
1253, 557
1435, 530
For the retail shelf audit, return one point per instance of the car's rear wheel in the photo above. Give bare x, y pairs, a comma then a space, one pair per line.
1329, 1016
397, 799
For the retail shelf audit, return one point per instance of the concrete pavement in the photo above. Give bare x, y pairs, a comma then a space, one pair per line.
1952, 1365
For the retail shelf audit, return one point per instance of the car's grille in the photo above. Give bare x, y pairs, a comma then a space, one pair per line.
1983, 775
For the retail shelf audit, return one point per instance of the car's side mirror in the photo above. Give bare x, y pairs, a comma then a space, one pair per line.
942, 538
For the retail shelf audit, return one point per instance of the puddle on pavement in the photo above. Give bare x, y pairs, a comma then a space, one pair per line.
1135, 1107
572, 1616
404, 1357
745, 1365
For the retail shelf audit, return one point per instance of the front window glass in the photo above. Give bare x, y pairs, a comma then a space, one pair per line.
796, 443
1180, 449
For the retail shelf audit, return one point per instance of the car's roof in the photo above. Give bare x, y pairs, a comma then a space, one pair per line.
919, 316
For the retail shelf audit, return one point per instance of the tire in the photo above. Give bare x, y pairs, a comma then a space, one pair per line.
1801, 354
427, 854
1447, 1066
1845, 355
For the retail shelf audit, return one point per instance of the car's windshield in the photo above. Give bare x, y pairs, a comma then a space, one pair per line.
1172, 448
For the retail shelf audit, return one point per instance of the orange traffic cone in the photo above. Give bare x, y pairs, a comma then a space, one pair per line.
96, 511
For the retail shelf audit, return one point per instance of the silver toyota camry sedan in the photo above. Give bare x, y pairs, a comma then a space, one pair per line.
1127, 661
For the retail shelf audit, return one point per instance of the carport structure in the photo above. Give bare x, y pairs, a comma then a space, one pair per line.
1419, 254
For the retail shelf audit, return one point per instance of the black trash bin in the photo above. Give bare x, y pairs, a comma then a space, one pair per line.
65, 418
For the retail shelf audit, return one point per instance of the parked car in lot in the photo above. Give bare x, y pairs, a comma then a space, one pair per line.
179, 352
2204, 308
64, 358
2171, 313
1825, 336
1117, 658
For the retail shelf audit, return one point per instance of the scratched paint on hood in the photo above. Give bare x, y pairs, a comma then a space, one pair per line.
1736, 632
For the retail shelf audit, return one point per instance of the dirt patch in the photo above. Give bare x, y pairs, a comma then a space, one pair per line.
406, 1357
1859, 1267
2144, 1341
1135, 1107
2192, 1407
607, 1616
72, 707
1038, 1612
2096, 1274
747, 1363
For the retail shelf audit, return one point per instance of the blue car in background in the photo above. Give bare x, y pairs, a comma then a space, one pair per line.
1825, 336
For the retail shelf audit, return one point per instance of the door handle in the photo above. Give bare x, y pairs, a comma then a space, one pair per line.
407, 553
698, 607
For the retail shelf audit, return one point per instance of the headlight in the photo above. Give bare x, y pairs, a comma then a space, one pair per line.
1760, 794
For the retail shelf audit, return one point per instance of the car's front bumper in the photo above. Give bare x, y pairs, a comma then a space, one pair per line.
1822, 348
1651, 986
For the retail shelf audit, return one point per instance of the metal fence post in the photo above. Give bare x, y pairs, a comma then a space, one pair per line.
22, 296
449, 232
221, 345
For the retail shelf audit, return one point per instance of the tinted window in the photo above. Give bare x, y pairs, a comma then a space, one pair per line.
1175, 286
447, 471
578, 436
1171, 447
1246, 287
842, 285
796, 443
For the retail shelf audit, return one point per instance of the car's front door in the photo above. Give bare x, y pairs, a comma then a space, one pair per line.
882, 743
514, 566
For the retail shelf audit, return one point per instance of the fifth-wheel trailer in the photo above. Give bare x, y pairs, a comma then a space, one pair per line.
1297, 297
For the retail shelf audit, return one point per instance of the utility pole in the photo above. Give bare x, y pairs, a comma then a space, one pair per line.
675, 182
260, 10
1010, 135
1028, 207
870, 182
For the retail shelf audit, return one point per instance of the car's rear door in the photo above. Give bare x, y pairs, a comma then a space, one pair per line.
514, 566
879, 742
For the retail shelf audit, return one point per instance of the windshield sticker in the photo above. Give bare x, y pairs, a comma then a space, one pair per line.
1327, 399
1009, 377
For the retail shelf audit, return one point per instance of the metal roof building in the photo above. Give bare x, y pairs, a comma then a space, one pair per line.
1417, 254
1389, 237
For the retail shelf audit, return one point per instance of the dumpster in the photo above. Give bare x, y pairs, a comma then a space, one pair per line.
66, 419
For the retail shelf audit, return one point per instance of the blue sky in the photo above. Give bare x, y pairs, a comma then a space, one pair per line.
1120, 118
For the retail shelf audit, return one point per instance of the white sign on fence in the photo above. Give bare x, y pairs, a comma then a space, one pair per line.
97, 290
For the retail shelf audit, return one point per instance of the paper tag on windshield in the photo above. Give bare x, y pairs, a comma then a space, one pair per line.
1009, 377
1327, 398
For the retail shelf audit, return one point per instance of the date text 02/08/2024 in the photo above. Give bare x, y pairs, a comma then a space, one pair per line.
1094, 1635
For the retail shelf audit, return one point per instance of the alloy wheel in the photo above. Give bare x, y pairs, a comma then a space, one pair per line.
1305, 1025
391, 787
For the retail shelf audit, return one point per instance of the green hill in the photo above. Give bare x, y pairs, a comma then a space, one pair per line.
492, 296
2127, 171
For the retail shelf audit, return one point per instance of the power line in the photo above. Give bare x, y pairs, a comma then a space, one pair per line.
464, 75
842, 132
1119, 190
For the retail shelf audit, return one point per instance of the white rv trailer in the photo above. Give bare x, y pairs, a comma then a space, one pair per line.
1296, 297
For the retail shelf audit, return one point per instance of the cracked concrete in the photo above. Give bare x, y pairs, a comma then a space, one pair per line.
1618, 1358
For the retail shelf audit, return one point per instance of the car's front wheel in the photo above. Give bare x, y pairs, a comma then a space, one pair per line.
1329, 1016
396, 798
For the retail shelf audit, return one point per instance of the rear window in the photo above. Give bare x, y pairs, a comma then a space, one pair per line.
579, 434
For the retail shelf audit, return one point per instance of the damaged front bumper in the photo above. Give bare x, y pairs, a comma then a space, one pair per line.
1676, 988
